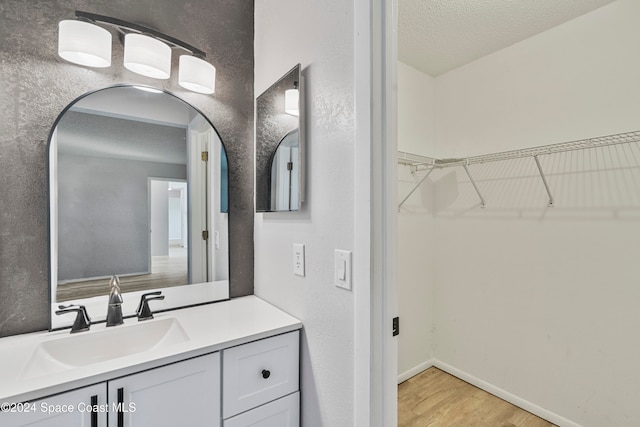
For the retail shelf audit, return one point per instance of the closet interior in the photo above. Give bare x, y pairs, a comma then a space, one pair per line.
519, 220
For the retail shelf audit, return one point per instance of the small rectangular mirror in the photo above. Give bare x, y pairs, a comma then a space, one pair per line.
279, 145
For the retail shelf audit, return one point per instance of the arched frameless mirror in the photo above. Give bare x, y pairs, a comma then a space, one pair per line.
138, 189
279, 145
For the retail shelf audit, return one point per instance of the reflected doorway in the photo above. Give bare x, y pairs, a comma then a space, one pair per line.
168, 232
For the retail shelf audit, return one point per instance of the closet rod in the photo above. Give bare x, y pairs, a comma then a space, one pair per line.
415, 161
581, 144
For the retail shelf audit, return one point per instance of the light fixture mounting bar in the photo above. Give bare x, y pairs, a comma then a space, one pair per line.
129, 26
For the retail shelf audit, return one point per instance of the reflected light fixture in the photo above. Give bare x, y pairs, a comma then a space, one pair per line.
292, 100
146, 52
147, 89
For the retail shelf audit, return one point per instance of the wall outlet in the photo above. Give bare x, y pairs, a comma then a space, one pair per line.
343, 269
298, 259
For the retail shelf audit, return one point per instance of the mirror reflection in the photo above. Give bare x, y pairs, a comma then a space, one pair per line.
284, 171
279, 154
139, 190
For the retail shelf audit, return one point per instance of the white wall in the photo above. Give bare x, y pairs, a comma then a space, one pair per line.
577, 80
416, 111
416, 133
319, 35
543, 302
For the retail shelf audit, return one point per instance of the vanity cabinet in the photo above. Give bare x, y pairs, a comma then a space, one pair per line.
183, 394
254, 384
84, 407
233, 364
260, 383
284, 412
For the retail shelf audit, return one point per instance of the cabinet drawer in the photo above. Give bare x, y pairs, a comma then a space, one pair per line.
284, 412
259, 372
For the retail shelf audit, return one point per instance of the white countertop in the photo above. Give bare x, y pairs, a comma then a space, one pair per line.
210, 328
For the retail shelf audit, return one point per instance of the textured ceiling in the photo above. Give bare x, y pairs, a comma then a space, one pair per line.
436, 36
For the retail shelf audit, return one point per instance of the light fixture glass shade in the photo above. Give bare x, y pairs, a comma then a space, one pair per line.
147, 56
197, 75
292, 102
84, 43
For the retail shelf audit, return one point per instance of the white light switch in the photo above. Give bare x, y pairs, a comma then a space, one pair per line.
343, 269
298, 259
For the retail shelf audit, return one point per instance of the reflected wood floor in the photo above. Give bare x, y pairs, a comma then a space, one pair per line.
434, 398
167, 271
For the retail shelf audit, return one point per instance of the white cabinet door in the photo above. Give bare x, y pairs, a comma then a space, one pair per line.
183, 394
85, 407
284, 412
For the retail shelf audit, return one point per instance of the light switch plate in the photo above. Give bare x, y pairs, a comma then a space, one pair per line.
342, 275
298, 259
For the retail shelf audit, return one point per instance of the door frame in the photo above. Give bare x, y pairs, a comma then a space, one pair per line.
375, 366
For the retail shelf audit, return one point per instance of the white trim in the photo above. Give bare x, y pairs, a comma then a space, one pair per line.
505, 395
421, 367
389, 175
362, 269
383, 190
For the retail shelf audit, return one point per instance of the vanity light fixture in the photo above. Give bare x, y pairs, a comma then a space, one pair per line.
196, 75
292, 100
147, 56
84, 43
146, 51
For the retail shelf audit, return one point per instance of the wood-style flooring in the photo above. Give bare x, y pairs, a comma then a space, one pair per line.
434, 398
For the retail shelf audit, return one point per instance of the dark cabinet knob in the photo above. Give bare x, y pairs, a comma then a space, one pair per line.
265, 374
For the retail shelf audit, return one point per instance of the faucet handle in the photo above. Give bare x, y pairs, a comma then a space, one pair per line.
82, 322
143, 311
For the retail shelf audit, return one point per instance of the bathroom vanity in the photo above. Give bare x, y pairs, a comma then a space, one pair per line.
232, 363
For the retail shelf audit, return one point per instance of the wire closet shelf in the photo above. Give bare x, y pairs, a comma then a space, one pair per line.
421, 163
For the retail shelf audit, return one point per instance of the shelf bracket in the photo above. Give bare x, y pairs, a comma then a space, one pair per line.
482, 203
416, 187
544, 181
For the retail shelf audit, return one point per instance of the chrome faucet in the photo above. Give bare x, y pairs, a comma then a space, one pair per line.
82, 322
143, 311
114, 310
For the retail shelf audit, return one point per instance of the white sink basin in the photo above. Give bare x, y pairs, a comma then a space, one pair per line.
86, 348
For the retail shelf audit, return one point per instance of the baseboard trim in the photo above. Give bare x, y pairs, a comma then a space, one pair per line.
505, 395
415, 370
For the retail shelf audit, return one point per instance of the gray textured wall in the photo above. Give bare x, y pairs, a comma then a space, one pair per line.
36, 85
